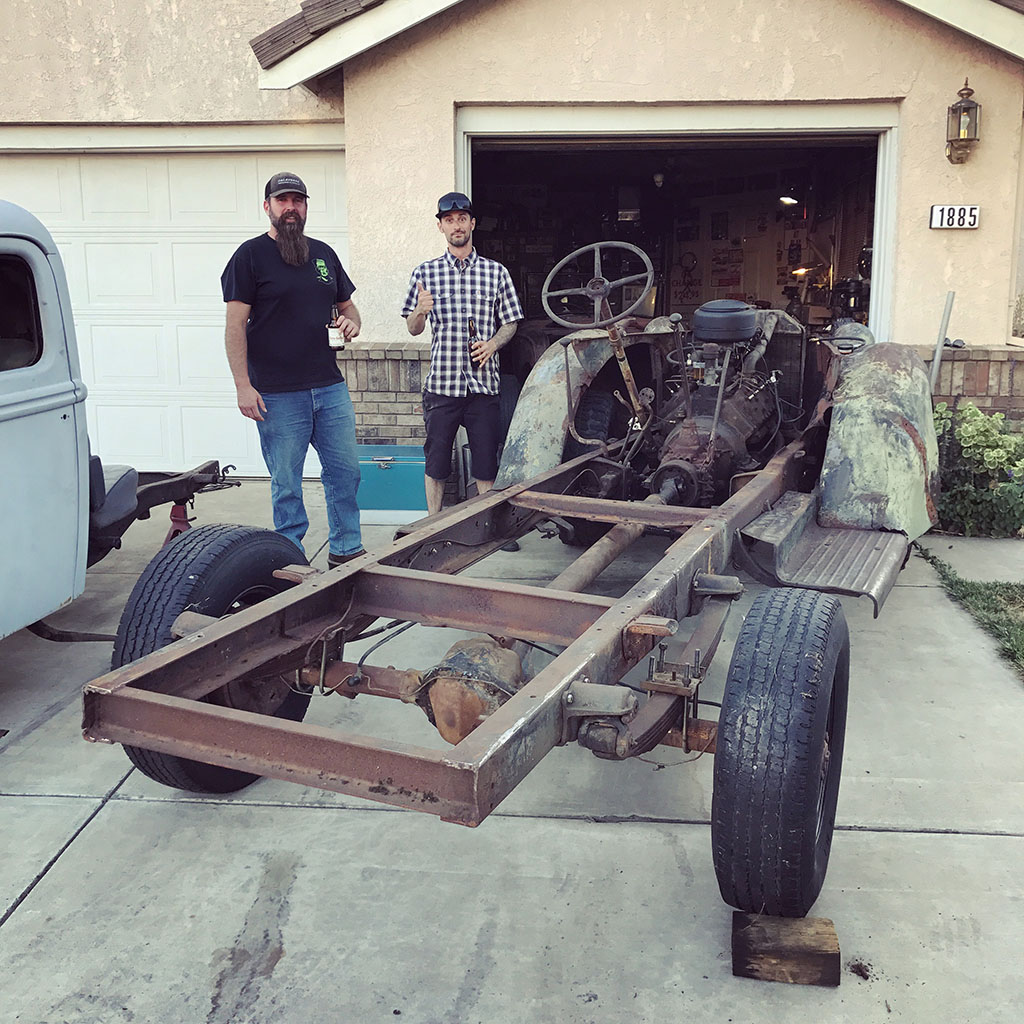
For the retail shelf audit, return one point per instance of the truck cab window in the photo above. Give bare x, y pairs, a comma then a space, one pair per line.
20, 334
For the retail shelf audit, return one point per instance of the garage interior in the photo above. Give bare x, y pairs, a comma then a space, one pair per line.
783, 224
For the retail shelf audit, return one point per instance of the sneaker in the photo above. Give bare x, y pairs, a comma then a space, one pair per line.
333, 560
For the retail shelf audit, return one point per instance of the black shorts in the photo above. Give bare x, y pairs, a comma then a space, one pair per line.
479, 414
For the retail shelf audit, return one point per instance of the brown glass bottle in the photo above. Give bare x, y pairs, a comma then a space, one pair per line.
473, 339
334, 336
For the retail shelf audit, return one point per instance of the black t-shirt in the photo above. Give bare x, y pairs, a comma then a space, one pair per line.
287, 330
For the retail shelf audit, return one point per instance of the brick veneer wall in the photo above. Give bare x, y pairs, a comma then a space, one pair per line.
991, 378
386, 384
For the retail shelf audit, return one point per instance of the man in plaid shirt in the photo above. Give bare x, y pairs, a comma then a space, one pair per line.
473, 309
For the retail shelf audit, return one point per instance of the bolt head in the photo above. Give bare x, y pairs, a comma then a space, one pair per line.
569, 698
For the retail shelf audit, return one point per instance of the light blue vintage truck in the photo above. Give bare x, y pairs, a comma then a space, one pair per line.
61, 508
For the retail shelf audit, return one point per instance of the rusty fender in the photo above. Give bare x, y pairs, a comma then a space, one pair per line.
881, 468
536, 435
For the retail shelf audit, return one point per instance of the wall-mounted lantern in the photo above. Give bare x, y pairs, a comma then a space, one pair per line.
963, 122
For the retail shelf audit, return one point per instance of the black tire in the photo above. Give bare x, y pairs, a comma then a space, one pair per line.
779, 753
597, 416
213, 570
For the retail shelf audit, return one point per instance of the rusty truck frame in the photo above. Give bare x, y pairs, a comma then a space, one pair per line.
166, 702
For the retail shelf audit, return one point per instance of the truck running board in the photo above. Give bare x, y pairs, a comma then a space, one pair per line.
788, 544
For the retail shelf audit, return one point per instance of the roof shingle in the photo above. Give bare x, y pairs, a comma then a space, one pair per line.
295, 32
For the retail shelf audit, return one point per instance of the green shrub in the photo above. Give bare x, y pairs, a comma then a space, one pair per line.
981, 465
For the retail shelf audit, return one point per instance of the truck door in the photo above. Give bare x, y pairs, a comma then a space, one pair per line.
43, 444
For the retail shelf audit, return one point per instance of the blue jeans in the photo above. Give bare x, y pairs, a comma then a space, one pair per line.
325, 419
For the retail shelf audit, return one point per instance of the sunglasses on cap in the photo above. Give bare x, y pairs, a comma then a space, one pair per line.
453, 201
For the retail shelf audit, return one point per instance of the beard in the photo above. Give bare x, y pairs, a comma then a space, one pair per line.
292, 243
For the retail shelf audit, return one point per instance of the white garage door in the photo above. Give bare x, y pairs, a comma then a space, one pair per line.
144, 239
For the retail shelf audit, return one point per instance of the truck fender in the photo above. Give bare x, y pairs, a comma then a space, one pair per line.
881, 465
540, 424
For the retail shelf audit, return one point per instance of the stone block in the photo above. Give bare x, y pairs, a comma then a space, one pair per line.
377, 376
970, 378
1016, 378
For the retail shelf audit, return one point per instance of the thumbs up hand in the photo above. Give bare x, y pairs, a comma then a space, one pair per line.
424, 300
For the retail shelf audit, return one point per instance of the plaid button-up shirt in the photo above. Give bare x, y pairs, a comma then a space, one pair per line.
474, 288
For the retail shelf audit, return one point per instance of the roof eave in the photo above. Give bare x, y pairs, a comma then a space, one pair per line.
992, 23
357, 35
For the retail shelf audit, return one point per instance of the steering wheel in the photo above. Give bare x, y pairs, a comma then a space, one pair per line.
597, 288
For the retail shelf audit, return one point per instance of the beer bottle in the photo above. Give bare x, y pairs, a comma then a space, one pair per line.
473, 339
334, 336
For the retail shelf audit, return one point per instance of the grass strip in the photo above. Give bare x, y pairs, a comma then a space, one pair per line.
997, 607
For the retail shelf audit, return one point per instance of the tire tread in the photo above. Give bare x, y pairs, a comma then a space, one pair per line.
173, 583
766, 776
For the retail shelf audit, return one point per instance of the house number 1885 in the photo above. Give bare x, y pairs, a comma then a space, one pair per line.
954, 216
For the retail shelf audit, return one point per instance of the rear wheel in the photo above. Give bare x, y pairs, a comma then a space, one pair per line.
214, 570
779, 753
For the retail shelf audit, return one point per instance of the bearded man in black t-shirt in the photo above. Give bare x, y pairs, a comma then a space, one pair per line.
280, 288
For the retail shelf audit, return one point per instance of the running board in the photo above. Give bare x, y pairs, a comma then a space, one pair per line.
788, 543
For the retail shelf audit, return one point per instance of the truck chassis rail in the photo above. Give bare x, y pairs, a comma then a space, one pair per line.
156, 702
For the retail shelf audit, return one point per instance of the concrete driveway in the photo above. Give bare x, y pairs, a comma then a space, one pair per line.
588, 896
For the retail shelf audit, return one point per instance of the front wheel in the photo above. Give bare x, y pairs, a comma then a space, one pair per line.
779, 753
214, 570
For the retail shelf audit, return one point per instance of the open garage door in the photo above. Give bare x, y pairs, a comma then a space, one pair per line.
778, 223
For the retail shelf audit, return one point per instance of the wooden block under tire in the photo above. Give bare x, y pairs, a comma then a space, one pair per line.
797, 950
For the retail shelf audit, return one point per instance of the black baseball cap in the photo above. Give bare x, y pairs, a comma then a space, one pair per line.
453, 201
284, 181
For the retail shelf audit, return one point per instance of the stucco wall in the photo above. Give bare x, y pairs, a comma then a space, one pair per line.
400, 100
111, 61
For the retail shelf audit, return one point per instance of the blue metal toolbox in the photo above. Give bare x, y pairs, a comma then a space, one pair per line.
391, 477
